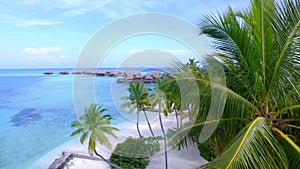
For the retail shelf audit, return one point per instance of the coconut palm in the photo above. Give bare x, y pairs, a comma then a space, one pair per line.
138, 100
173, 98
259, 51
157, 99
94, 126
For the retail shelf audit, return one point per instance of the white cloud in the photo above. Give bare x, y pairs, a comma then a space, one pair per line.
51, 12
110, 13
39, 23
22, 21
42, 50
80, 7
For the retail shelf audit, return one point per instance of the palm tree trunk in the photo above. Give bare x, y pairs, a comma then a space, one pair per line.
148, 123
165, 141
107, 161
137, 124
177, 120
176, 116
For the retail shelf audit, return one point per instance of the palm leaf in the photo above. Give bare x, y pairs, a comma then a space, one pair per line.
80, 130
76, 124
100, 136
286, 24
190, 132
84, 137
292, 151
109, 130
255, 147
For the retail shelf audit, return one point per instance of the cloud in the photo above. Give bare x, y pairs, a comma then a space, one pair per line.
22, 21
39, 23
80, 7
34, 12
42, 50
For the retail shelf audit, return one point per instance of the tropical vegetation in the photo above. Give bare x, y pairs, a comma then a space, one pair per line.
135, 152
158, 99
259, 52
251, 121
94, 125
138, 100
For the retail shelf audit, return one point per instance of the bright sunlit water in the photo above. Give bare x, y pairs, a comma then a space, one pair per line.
36, 111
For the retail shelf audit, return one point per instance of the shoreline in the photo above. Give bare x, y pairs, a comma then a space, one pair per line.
187, 158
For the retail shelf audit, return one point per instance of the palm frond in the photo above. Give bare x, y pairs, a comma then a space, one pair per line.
109, 130
176, 135
285, 110
78, 131
285, 69
254, 147
232, 95
76, 124
292, 151
101, 137
83, 137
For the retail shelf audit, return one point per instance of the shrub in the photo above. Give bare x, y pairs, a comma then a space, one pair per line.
135, 152
206, 150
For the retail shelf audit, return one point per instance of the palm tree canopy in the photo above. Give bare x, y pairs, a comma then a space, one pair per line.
244, 154
95, 126
158, 97
138, 97
259, 51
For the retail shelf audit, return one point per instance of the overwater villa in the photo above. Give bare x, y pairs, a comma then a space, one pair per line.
48, 73
64, 72
150, 77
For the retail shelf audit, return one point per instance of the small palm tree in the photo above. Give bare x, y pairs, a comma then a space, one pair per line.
138, 100
173, 98
94, 126
158, 99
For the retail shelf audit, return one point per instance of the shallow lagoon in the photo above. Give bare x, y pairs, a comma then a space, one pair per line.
36, 111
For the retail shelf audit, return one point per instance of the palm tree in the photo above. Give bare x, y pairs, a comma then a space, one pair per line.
158, 98
192, 63
138, 99
94, 125
173, 98
259, 51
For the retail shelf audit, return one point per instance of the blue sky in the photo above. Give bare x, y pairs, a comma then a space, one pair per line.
41, 33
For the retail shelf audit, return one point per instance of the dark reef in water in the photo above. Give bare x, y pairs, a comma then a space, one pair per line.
24, 117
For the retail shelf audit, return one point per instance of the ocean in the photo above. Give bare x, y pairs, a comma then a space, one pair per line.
36, 111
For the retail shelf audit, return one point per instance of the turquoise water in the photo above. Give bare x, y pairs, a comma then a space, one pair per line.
36, 111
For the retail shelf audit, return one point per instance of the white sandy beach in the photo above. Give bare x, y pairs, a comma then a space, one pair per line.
178, 159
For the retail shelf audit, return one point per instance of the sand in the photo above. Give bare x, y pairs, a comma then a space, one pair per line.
177, 159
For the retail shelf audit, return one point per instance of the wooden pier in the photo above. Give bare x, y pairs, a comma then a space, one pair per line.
67, 155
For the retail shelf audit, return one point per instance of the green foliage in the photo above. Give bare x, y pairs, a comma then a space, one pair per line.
94, 125
206, 150
254, 147
259, 51
138, 100
135, 152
